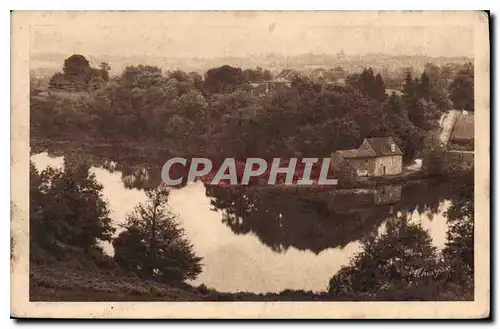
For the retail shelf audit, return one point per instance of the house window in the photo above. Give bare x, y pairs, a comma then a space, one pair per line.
366, 161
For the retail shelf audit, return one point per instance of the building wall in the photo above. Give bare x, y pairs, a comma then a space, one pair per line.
393, 165
363, 166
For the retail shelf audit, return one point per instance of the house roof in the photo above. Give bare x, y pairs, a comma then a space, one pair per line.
356, 153
464, 127
287, 74
284, 73
382, 146
372, 147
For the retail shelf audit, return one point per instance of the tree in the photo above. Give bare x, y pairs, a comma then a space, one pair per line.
459, 249
338, 73
78, 75
142, 76
266, 75
435, 75
36, 204
433, 155
223, 79
153, 245
180, 76
369, 84
397, 260
191, 105
105, 68
68, 206
462, 88
408, 87
424, 88
345, 173
413, 103
197, 80
96, 83
76, 65
257, 75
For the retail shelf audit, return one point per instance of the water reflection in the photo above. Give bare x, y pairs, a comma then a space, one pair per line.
284, 220
268, 240
318, 221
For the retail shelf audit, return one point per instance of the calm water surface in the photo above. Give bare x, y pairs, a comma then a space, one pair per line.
260, 242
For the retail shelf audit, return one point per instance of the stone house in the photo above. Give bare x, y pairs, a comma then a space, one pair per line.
374, 157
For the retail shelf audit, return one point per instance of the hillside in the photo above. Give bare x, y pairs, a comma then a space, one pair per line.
68, 274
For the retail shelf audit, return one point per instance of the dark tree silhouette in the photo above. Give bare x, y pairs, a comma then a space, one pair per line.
462, 88
68, 206
223, 79
153, 244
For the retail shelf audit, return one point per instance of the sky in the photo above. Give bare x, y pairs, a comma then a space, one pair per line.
215, 34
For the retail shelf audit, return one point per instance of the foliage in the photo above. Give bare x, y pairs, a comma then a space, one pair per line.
153, 245
459, 250
402, 264
257, 75
345, 174
425, 99
398, 257
369, 84
438, 161
433, 155
76, 65
67, 206
78, 75
462, 88
219, 113
223, 79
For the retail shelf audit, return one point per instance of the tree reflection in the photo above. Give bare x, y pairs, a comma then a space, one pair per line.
317, 220
282, 220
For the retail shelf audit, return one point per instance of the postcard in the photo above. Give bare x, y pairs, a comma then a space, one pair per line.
250, 165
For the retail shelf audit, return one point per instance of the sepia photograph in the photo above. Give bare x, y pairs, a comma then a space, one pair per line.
271, 164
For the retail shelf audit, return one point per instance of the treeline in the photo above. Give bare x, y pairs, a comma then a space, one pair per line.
219, 114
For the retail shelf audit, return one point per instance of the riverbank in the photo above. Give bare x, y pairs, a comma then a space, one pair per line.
362, 183
404, 177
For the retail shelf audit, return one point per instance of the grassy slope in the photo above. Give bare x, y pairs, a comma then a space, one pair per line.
67, 273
